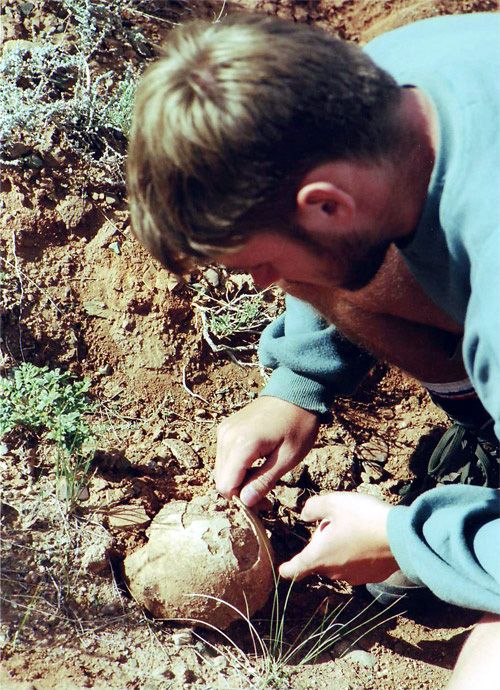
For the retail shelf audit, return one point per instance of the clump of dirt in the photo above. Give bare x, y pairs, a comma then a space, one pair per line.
206, 561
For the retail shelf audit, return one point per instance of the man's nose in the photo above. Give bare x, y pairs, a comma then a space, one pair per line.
264, 276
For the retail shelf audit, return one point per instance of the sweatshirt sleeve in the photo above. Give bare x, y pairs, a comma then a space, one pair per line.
449, 540
312, 361
481, 351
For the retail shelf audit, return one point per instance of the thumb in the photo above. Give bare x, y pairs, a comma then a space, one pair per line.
298, 567
260, 481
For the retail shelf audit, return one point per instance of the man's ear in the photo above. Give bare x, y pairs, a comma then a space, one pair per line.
323, 206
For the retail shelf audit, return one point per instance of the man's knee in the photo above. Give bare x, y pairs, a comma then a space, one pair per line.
478, 665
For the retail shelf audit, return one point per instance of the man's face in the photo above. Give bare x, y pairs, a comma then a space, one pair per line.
298, 264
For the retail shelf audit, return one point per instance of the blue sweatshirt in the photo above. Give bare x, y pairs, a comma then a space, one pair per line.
449, 540
454, 253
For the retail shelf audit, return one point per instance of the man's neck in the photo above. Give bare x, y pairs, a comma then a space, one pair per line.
414, 162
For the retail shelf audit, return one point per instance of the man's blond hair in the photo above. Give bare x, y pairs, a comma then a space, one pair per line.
229, 119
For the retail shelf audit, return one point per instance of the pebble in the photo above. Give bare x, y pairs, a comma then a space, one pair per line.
106, 370
359, 656
127, 517
182, 452
212, 277
370, 489
288, 496
219, 663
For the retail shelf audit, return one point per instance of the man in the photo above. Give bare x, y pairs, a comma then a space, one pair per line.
365, 185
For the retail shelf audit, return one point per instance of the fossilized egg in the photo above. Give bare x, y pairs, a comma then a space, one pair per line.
207, 547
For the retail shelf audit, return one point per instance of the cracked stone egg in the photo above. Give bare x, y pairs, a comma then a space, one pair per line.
203, 557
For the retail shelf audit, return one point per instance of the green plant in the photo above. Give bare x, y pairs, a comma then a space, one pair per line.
117, 112
274, 654
267, 667
53, 404
94, 20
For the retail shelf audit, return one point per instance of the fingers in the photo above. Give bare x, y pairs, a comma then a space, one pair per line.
299, 566
231, 465
270, 429
319, 507
262, 481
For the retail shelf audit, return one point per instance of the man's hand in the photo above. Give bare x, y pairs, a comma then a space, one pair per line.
350, 542
269, 428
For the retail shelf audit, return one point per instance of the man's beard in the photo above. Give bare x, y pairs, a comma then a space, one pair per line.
363, 270
358, 274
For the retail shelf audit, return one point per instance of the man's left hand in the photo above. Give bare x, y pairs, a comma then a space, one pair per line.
350, 542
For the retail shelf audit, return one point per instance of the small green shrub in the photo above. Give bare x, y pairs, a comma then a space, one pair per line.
52, 404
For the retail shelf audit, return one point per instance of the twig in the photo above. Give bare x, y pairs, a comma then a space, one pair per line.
185, 386
219, 17
21, 286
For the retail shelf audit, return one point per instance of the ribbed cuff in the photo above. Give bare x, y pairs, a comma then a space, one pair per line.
299, 390
398, 529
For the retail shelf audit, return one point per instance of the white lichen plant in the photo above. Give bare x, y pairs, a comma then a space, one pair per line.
54, 90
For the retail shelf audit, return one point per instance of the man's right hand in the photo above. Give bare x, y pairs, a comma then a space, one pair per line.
269, 428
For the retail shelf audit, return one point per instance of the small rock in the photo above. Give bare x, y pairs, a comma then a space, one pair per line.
157, 432
4, 449
18, 44
370, 489
329, 467
219, 663
375, 450
182, 452
72, 210
359, 656
293, 477
128, 517
288, 496
95, 558
212, 277
372, 471
182, 672
26, 8
106, 370
105, 234
17, 150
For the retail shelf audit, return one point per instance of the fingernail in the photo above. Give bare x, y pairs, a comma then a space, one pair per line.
249, 496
